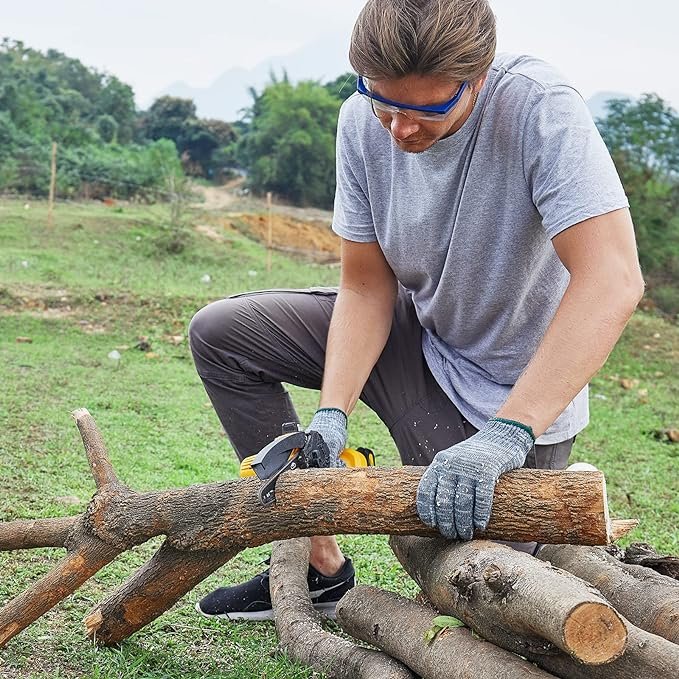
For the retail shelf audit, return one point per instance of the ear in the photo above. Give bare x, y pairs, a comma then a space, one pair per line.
479, 83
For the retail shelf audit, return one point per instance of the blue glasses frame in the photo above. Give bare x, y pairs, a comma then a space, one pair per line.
440, 109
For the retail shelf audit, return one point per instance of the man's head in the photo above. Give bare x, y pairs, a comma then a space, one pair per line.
421, 53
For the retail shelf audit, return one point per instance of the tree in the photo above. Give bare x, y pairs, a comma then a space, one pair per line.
645, 133
116, 99
289, 147
643, 138
107, 128
343, 86
167, 117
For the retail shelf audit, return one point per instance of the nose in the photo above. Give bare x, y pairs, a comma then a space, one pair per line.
402, 127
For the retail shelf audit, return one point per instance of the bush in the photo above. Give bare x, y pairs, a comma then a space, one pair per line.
93, 171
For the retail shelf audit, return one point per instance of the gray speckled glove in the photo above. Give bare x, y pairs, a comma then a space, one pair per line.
455, 494
331, 424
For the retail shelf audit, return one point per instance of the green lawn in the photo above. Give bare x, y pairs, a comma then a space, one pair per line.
98, 282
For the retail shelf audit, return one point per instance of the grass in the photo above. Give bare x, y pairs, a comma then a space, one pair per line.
98, 282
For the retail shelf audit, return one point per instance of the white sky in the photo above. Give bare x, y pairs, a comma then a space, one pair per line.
614, 45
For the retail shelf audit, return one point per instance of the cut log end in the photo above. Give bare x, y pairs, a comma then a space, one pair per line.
595, 634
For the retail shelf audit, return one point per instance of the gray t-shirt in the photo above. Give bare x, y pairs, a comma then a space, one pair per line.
467, 225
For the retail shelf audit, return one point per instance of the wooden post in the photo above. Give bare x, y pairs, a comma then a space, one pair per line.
269, 241
53, 182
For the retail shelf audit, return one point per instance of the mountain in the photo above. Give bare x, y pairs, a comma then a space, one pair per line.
322, 60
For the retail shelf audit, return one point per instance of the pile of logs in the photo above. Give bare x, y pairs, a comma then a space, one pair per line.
572, 612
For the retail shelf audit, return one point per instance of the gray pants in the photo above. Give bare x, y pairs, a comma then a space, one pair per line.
246, 345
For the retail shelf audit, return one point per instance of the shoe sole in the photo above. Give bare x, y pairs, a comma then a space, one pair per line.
327, 609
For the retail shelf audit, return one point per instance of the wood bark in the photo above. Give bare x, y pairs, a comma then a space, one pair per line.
647, 656
513, 599
152, 590
398, 626
642, 554
555, 507
646, 598
300, 632
30, 533
202, 521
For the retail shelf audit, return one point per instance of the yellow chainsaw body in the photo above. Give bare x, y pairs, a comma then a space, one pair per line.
351, 457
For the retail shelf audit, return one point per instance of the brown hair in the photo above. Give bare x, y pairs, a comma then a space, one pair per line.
454, 39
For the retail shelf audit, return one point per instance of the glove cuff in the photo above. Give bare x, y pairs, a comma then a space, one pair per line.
334, 416
525, 427
331, 423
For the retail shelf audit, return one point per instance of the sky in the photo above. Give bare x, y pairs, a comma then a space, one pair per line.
624, 46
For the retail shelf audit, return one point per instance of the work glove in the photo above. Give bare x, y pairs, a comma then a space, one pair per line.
455, 494
327, 438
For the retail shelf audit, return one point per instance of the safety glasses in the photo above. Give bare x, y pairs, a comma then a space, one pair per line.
385, 107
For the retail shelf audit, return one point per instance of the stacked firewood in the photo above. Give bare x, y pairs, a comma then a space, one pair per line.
574, 612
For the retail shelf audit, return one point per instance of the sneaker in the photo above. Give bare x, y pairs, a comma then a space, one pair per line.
251, 600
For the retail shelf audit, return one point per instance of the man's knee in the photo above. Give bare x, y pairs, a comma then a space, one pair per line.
212, 328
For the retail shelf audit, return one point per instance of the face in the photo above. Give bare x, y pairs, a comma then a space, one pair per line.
415, 135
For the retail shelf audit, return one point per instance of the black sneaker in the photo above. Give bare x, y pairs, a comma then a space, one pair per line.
252, 601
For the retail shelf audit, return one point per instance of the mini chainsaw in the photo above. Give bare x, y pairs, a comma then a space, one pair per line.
294, 449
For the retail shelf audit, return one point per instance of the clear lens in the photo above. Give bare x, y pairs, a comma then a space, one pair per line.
383, 110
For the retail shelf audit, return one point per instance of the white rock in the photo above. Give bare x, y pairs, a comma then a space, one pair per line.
114, 355
252, 273
24, 263
205, 278
581, 467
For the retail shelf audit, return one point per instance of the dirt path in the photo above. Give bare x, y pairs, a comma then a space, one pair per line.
296, 230
217, 197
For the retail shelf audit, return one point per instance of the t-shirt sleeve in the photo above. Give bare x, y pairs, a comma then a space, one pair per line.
352, 217
567, 166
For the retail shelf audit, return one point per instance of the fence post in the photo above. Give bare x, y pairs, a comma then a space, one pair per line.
270, 237
53, 182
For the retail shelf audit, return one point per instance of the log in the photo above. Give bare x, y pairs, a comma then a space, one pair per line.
152, 590
646, 598
87, 557
564, 507
398, 626
513, 599
31, 533
300, 632
642, 554
647, 656
529, 505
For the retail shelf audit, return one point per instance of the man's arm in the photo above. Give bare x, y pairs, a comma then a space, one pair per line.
360, 324
605, 287
455, 494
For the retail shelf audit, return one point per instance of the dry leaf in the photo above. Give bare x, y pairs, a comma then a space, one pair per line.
673, 435
24, 340
151, 354
627, 383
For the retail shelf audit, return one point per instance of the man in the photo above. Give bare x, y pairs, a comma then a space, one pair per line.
488, 268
